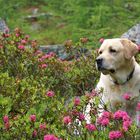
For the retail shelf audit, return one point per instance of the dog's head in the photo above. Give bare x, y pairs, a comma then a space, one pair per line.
114, 54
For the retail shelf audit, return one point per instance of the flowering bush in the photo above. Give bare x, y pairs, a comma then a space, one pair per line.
45, 97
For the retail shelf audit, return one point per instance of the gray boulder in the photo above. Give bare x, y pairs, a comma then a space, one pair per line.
61, 52
133, 34
36, 17
3, 27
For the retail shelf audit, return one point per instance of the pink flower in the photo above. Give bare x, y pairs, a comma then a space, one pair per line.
101, 40
113, 135
6, 119
119, 114
90, 127
75, 112
38, 52
50, 93
1, 46
32, 118
46, 56
40, 60
23, 41
126, 125
77, 101
90, 95
67, 120
50, 137
138, 47
34, 134
17, 35
43, 66
106, 114
138, 106
6, 30
6, 35
27, 37
52, 54
126, 118
21, 47
81, 116
7, 125
103, 121
42, 126
127, 96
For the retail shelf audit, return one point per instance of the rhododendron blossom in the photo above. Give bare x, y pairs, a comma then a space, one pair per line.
7, 125
32, 118
138, 47
17, 35
6, 35
138, 106
38, 52
50, 93
51, 54
127, 96
90, 127
50, 137
126, 125
6, 118
74, 112
43, 66
101, 40
106, 114
113, 135
105, 122
34, 134
46, 56
27, 37
67, 120
21, 47
119, 114
42, 126
77, 101
23, 41
81, 116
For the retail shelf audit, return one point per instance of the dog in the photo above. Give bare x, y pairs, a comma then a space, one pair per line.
120, 73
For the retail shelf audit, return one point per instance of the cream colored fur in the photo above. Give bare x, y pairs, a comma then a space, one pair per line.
122, 62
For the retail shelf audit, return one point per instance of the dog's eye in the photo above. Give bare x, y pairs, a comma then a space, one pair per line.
100, 52
112, 50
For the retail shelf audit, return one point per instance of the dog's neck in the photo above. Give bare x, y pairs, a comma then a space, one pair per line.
123, 75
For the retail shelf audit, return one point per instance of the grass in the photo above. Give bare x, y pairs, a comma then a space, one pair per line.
72, 19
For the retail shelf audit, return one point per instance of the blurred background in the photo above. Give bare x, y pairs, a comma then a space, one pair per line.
54, 21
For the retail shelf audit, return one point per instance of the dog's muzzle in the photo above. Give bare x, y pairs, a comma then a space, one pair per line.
99, 62
100, 66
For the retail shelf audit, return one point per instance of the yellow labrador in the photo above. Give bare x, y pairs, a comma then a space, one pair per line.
120, 73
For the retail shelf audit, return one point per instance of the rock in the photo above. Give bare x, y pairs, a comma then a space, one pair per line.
129, 6
133, 34
35, 26
35, 11
3, 27
59, 50
36, 17
61, 53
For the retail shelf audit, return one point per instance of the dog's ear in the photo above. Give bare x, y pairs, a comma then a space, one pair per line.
130, 48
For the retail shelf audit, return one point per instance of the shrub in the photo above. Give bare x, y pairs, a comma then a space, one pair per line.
45, 97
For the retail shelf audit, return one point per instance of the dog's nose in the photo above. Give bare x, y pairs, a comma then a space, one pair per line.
99, 61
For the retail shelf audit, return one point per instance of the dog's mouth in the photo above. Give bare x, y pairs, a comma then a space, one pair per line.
112, 71
107, 71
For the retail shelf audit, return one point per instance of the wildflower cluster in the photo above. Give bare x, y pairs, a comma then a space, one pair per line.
43, 96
